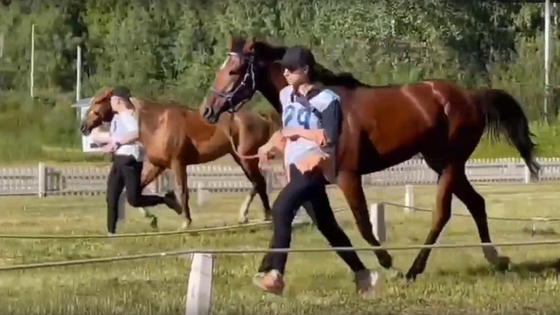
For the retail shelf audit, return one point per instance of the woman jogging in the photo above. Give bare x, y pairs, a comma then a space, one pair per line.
128, 154
312, 121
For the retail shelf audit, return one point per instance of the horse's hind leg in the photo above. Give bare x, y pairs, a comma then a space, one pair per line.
449, 175
351, 186
255, 176
477, 207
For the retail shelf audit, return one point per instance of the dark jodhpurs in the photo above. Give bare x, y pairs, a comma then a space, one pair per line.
126, 172
305, 188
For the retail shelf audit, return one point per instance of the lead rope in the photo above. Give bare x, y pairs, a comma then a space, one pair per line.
281, 179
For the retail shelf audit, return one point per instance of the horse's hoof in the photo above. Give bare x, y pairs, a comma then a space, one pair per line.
503, 263
154, 223
267, 218
243, 220
186, 225
394, 274
410, 277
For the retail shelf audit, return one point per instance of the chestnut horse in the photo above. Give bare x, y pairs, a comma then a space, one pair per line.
175, 136
384, 126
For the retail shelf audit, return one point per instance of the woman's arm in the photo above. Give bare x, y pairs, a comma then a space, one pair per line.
317, 135
276, 141
100, 136
331, 118
332, 123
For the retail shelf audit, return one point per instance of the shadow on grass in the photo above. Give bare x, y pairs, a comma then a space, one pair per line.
539, 231
522, 270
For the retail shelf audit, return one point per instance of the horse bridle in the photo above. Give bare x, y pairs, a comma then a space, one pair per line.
247, 81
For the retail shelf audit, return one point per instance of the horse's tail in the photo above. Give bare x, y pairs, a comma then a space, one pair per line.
505, 117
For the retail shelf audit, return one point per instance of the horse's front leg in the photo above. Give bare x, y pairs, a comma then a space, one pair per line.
182, 191
351, 185
254, 175
147, 178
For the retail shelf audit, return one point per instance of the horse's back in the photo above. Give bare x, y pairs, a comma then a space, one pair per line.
401, 120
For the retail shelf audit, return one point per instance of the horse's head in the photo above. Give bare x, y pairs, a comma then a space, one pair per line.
99, 111
246, 70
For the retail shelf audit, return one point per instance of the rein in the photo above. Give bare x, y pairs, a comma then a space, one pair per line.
228, 134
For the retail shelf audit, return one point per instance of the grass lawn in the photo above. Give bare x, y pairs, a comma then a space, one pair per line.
457, 281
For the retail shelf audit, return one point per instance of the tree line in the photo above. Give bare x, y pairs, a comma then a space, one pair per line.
172, 49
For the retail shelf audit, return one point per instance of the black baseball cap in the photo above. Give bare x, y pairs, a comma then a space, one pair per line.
121, 91
297, 57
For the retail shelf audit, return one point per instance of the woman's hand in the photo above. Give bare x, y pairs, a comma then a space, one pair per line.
109, 147
265, 155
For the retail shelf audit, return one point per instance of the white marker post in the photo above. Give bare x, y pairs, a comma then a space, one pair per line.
409, 198
377, 219
199, 293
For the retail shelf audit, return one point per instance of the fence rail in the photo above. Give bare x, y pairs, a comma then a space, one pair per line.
48, 180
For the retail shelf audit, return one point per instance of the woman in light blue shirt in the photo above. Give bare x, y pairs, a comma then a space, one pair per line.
128, 158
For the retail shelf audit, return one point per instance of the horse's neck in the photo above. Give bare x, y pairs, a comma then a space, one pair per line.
146, 114
195, 125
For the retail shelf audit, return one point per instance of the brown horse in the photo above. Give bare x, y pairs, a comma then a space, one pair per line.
384, 126
175, 136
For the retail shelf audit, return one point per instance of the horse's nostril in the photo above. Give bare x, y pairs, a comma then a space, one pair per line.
207, 112
84, 130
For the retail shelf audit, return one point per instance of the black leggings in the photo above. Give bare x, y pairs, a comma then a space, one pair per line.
309, 187
126, 172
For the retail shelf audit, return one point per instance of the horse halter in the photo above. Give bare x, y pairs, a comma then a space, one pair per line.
248, 81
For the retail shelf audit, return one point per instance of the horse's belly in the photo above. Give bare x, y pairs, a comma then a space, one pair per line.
379, 153
208, 152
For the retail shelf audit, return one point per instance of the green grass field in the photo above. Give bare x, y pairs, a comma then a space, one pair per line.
457, 281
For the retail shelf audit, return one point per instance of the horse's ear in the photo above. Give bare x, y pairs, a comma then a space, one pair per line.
107, 94
231, 41
249, 46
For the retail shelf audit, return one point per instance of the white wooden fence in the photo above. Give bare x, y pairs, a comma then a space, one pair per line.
47, 180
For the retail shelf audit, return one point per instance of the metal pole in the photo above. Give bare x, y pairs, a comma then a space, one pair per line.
547, 51
32, 72
79, 73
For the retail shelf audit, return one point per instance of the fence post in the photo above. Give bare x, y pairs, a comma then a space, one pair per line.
200, 194
409, 198
377, 219
199, 292
526, 175
270, 181
41, 180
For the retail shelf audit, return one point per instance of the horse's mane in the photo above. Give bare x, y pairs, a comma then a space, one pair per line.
325, 76
102, 93
345, 79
